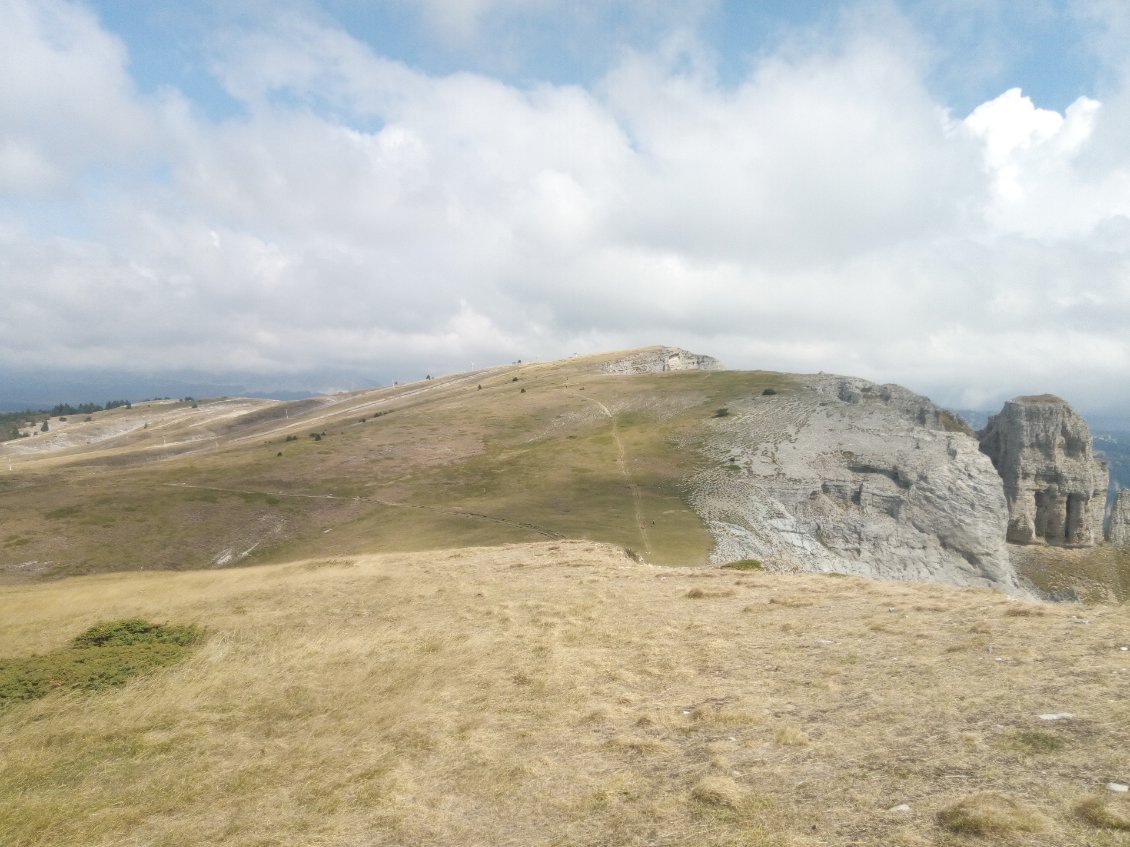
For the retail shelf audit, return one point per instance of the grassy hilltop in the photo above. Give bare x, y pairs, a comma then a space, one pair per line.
539, 451
482, 616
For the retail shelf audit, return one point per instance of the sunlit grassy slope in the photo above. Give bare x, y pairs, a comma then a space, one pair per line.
1093, 574
539, 451
561, 693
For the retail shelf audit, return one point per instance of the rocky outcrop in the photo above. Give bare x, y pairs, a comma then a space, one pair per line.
1118, 530
1055, 487
837, 474
660, 359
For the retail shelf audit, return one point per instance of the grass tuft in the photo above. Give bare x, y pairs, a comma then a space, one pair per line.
699, 594
1097, 812
790, 736
1025, 611
64, 512
1035, 741
720, 791
990, 813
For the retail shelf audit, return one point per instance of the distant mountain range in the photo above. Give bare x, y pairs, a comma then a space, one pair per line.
1114, 447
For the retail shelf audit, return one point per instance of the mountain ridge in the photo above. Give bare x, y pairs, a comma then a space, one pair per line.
655, 449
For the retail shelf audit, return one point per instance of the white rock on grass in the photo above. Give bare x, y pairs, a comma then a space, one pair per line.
1056, 716
1117, 787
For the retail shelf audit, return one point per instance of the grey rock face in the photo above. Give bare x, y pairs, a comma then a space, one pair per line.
1118, 531
662, 359
1054, 485
845, 475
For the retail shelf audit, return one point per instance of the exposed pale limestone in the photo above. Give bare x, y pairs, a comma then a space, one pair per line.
839, 474
659, 359
1054, 485
1118, 530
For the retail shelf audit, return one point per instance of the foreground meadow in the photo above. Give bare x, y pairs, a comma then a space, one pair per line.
564, 694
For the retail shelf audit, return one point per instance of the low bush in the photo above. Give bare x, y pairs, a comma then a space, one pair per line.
105, 656
131, 631
745, 565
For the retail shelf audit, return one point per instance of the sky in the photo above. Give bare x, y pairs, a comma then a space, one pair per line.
330, 194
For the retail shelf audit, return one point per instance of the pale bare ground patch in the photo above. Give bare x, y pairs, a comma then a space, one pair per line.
562, 693
175, 421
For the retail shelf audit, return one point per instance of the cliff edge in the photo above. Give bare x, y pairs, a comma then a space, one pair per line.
1054, 485
845, 475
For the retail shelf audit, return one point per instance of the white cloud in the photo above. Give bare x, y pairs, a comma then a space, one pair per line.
824, 213
1011, 124
1042, 163
66, 99
811, 159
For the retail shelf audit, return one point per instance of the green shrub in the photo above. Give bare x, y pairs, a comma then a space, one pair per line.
135, 631
952, 423
105, 656
745, 565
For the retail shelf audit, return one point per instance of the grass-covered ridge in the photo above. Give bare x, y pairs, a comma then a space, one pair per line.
512, 454
104, 656
519, 453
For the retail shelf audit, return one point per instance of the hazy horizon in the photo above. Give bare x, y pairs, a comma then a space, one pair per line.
38, 393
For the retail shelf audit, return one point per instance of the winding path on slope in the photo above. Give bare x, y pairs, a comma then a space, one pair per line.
622, 463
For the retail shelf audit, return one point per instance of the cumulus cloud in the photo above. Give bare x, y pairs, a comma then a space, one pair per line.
1045, 183
824, 212
67, 100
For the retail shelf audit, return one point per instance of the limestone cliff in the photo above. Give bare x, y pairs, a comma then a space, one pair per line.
659, 359
840, 474
1118, 530
1054, 485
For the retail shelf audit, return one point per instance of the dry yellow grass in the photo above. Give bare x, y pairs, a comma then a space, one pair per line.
563, 694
